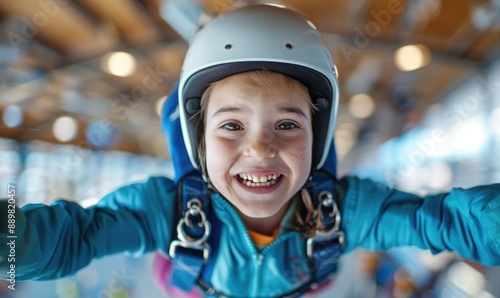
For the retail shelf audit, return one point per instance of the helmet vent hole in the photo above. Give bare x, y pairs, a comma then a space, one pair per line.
289, 46
228, 46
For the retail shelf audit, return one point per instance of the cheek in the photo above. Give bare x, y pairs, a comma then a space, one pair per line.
301, 153
300, 160
217, 154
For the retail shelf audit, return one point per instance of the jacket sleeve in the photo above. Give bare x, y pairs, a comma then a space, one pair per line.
57, 240
466, 221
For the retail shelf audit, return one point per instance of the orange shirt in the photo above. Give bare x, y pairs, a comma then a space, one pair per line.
262, 240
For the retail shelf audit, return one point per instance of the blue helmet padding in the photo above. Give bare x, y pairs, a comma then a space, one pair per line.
171, 126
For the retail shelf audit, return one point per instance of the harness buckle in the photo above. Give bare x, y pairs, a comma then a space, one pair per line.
327, 210
326, 201
338, 238
204, 248
184, 239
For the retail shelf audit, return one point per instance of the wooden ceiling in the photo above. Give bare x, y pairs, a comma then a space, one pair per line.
51, 51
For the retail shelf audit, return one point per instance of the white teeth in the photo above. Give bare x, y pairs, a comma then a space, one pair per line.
258, 184
257, 181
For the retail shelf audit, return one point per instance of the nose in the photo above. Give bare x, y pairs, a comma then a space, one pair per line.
260, 145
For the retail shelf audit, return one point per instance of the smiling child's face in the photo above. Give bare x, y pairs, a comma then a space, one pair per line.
258, 141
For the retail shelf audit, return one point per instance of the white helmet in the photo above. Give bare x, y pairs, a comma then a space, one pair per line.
252, 38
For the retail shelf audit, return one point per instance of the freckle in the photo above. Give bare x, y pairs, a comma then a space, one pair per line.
303, 153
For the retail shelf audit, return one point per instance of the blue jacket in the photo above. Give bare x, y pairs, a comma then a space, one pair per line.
58, 240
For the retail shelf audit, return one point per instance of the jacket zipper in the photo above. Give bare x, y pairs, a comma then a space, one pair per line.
256, 256
257, 264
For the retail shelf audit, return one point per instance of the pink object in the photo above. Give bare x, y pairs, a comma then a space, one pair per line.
162, 270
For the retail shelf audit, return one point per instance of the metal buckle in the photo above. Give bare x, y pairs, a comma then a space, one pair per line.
194, 209
325, 199
185, 241
181, 233
205, 248
310, 242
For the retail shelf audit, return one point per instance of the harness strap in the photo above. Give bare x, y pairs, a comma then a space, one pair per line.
191, 250
326, 247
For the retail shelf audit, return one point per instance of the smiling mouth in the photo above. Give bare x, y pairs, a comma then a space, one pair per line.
259, 181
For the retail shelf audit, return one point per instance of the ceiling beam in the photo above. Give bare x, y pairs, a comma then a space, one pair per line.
135, 29
76, 35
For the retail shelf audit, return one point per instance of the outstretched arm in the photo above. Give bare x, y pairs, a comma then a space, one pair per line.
466, 221
58, 240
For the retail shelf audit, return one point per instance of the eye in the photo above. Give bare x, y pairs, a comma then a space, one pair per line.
232, 126
286, 126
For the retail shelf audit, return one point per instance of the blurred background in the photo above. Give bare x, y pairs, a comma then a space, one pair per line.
82, 84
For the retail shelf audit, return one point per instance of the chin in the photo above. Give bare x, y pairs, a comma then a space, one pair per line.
260, 211
259, 214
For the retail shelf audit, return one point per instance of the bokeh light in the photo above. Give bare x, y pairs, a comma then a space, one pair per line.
120, 64
65, 129
361, 105
13, 116
412, 57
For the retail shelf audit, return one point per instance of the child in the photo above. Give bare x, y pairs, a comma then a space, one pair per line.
258, 98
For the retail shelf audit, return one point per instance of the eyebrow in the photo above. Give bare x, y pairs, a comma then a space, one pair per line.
282, 110
292, 110
229, 109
